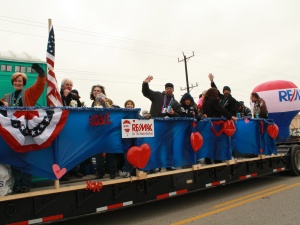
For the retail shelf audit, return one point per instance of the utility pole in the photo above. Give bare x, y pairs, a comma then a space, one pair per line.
186, 73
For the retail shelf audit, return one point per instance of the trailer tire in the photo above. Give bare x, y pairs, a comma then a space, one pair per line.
294, 160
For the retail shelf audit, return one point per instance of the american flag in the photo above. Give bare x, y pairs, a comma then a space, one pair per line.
53, 95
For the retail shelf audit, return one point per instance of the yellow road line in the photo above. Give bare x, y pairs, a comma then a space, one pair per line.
233, 205
247, 196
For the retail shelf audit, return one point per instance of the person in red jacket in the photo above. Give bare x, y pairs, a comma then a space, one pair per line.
21, 97
29, 96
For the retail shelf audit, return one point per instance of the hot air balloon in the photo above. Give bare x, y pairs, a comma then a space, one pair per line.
283, 102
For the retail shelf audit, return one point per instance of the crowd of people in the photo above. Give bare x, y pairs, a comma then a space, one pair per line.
211, 103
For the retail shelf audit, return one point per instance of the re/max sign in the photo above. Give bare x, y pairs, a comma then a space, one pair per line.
289, 95
142, 127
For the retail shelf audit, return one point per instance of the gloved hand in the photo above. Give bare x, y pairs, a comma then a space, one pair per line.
198, 117
38, 69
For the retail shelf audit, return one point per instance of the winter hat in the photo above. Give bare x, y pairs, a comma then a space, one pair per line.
185, 97
226, 88
169, 85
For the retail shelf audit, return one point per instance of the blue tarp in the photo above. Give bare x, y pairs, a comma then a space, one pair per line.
171, 146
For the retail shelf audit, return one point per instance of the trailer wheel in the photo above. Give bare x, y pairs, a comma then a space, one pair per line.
294, 160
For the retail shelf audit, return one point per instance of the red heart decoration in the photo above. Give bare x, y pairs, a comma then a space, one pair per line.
273, 130
139, 156
196, 141
229, 128
217, 123
58, 172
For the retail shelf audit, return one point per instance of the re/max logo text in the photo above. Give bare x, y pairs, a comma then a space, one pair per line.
142, 127
289, 95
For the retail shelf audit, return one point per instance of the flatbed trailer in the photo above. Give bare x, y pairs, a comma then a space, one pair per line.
85, 197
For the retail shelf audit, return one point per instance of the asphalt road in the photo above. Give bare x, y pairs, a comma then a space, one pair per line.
273, 199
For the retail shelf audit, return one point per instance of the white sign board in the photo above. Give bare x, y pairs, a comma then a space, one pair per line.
133, 128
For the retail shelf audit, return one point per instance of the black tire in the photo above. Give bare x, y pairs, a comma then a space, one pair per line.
294, 160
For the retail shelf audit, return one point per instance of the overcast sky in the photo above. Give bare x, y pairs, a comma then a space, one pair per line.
117, 43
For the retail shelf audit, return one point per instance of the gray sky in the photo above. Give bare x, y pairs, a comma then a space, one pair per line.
118, 43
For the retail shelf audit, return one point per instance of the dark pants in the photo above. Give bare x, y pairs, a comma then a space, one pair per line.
22, 179
110, 161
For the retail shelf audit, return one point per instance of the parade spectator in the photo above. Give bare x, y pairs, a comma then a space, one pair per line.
69, 96
98, 96
244, 110
227, 101
129, 104
100, 100
162, 103
21, 97
260, 109
200, 100
127, 169
188, 108
213, 108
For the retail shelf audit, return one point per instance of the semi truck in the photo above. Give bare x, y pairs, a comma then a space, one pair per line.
247, 148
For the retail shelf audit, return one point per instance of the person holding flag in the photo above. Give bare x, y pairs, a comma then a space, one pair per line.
29, 96
19, 98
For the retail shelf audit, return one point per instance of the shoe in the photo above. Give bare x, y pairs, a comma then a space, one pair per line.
126, 174
186, 167
24, 190
152, 171
17, 190
121, 173
77, 174
133, 173
99, 176
112, 176
170, 168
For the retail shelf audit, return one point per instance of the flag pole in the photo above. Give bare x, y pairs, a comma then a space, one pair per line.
49, 24
56, 182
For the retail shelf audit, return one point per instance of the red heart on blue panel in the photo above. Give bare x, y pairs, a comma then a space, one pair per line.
196, 141
229, 128
273, 130
139, 156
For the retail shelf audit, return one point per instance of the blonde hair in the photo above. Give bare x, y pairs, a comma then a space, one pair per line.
15, 75
109, 102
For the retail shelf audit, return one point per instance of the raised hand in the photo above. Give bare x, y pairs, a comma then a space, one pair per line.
148, 79
66, 92
38, 69
211, 77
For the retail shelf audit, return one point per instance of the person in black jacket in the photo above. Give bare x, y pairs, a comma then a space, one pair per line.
227, 101
67, 94
188, 108
212, 108
244, 110
163, 103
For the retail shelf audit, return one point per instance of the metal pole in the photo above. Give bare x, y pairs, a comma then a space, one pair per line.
186, 75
